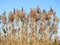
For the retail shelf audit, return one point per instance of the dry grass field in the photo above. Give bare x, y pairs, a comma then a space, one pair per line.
35, 28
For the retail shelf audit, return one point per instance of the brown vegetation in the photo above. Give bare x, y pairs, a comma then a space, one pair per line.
37, 28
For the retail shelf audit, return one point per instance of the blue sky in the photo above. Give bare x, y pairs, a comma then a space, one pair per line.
8, 5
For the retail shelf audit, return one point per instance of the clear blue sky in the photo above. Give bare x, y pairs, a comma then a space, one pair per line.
8, 5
